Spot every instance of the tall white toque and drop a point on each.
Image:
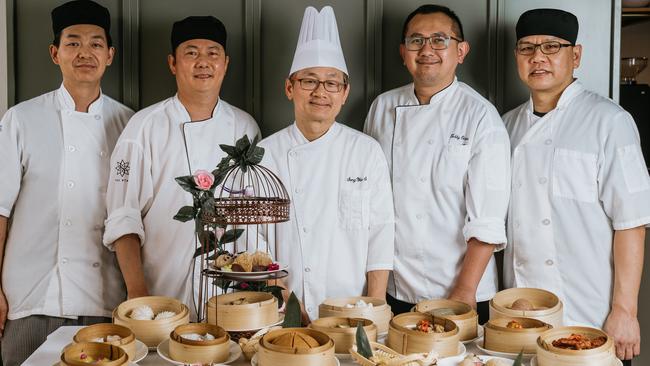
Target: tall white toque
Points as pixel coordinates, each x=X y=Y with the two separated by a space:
x=318 y=42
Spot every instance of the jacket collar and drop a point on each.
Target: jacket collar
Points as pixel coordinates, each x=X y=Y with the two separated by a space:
x=67 y=103
x=185 y=115
x=412 y=99
x=567 y=96
x=298 y=139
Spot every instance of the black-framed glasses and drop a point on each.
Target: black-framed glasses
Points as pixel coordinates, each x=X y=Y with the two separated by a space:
x=436 y=41
x=547 y=48
x=312 y=84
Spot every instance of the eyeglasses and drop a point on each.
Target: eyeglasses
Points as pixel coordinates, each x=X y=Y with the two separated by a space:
x=547 y=48
x=436 y=41
x=331 y=86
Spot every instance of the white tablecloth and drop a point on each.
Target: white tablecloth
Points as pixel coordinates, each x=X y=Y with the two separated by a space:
x=49 y=353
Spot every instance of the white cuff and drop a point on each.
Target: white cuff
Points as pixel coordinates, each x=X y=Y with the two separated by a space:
x=490 y=230
x=121 y=222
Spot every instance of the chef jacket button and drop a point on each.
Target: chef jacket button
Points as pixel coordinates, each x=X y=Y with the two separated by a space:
x=70 y=184
x=430 y=142
x=423 y=179
x=98 y=117
x=548 y=141
x=310 y=309
x=68 y=223
x=96 y=264
x=517 y=224
x=418 y=216
x=305 y=229
x=546 y=221
x=519 y=184
x=298 y=190
x=293 y=154
x=64 y=260
x=542 y=180
x=549 y=262
x=307 y=269
x=520 y=264
x=72 y=148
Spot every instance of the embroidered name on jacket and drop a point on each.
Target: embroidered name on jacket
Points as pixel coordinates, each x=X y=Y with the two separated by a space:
x=356 y=180
x=122 y=169
x=464 y=140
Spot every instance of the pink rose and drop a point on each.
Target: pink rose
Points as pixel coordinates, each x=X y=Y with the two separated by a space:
x=203 y=179
x=219 y=233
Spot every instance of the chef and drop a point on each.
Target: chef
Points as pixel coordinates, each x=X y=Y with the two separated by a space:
x=448 y=155
x=53 y=171
x=175 y=137
x=580 y=187
x=339 y=240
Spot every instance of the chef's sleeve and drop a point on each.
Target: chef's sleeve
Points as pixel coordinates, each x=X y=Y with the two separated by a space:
x=487 y=190
x=623 y=181
x=381 y=240
x=10 y=163
x=129 y=193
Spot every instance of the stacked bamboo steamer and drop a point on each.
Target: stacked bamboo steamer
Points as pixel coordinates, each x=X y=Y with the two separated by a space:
x=343 y=331
x=464 y=316
x=498 y=337
x=379 y=312
x=319 y=354
x=152 y=332
x=259 y=311
x=93 y=332
x=403 y=338
x=549 y=355
x=115 y=355
x=546 y=306
x=209 y=352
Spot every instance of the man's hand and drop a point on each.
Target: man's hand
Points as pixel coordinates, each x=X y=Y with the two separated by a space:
x=466 y=296
x=624 y=328
x=4 y=309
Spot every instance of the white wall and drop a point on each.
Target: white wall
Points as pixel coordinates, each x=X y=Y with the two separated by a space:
x=3 y=57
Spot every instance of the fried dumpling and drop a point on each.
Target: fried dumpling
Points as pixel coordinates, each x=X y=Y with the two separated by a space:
x=243 y=262
x=223 y=260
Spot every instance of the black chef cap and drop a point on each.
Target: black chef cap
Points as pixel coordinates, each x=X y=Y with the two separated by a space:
x=81 y=12
x=550 y=22
x=198 y=27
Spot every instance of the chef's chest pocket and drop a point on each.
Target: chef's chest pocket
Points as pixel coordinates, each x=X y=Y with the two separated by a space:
x=452 y=168
x=575 y=175
x=354 y=209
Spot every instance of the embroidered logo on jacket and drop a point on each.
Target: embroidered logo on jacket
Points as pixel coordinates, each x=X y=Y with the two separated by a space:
x=356 y=180
x=122 y=168
x=464 y=140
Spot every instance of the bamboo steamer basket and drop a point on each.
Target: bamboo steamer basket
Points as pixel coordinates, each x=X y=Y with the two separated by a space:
x=203 y=352
x=465 y=317
x=553 y=314
x=393 y=358
x=344 y=338
x=406 y=340
x=548 y=355
x=261 y=312
x=269 y=354
x=379 y=313
x=152 y=332
x=498 y=337
x=116 y=355
x=87 y=334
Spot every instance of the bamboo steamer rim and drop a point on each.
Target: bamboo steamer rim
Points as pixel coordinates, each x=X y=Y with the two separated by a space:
x=324 y=341
x=338 y=304
x=265 y=298
x=121 y=358
x=500 y=324
x=220 y=335
x=398 y=324
x=496 y=301
x=467 y=311
x=329 y=324
x=553 y=334
x=125 y=308
x=102 y=330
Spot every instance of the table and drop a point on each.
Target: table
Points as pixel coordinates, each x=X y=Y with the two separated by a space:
x=49 y=352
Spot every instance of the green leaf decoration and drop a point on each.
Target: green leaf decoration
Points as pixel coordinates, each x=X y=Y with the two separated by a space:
x=230 y=150
x=519 y=361
x=242 y=144
x=230 y=236
x=293 y=315
x=186 y=213
x=188 y=184
x=363 y=346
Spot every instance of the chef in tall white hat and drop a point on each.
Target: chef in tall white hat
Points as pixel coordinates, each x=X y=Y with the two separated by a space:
x=339 y=241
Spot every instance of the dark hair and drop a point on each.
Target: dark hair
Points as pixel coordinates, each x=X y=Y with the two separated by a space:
x=57 y=39
x=456 y=27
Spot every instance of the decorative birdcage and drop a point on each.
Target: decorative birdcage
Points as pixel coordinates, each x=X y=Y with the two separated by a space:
x=237 y=245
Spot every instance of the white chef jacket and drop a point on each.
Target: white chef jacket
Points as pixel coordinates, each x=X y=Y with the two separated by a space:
x=450 y=168
x=578 y=174
x=159 y=144
x=53 y=176
x=341 y=223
